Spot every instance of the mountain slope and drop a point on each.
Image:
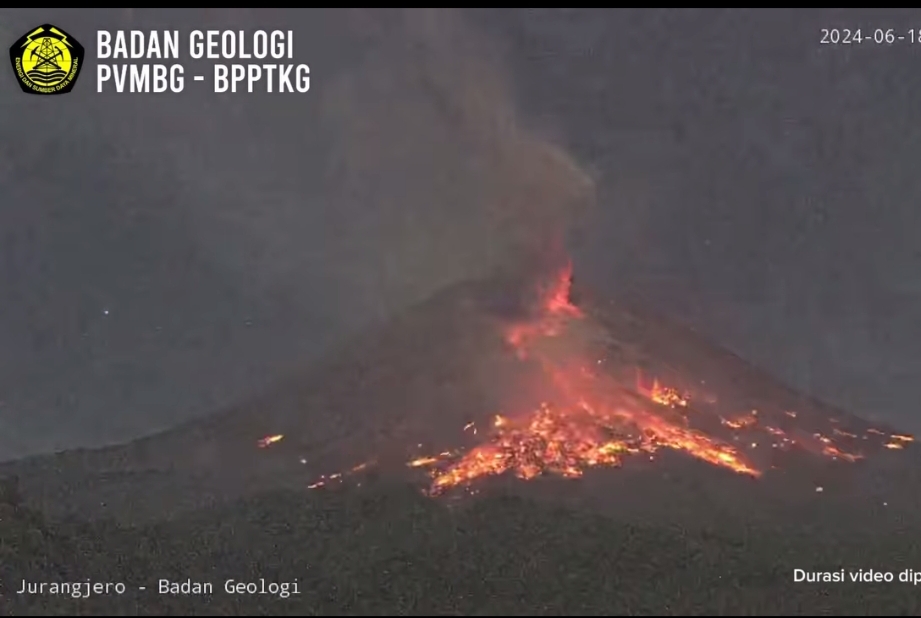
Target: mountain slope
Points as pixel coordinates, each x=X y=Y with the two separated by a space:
x=410 y=388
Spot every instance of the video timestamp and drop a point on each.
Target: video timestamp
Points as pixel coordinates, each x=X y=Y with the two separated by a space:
x=875 y=36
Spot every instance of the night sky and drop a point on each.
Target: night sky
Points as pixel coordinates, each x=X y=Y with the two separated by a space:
x=166 y=254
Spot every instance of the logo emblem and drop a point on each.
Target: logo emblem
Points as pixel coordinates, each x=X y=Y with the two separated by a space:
x=46 y=60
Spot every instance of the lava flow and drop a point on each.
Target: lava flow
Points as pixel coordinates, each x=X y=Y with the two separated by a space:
x=595 y=421
x=592 y=421
x=585 y=417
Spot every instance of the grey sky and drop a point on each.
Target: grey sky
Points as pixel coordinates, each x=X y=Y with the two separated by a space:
x=164 y=254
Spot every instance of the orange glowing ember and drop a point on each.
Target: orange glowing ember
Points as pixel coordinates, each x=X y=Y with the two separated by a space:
x=269 y=440
x=338 y=477
x=662 y=395
x=556 y=311
x=898 y=441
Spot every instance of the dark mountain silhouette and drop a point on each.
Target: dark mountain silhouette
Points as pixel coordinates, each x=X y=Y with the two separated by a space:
x=705 y=515
x=409 y=387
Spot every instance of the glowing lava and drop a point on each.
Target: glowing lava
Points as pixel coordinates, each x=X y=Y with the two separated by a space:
x=594 y=421
x=591 y=419
x=338 y=477
x=269 y=440
x=663 y=395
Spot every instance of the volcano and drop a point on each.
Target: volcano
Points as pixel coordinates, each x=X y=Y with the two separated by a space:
x=488 y=386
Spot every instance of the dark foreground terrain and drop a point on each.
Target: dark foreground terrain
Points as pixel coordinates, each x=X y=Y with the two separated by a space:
x=204 y=503
x=385 y=549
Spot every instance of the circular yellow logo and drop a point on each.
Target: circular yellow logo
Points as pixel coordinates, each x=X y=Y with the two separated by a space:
x=47 y=60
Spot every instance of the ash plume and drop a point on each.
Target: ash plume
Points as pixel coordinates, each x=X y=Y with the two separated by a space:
x=427 y=138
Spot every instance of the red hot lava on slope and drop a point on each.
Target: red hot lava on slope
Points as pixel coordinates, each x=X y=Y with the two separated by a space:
x=591 y=419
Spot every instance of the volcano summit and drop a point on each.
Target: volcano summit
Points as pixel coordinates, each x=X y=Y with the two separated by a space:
x=457 y=396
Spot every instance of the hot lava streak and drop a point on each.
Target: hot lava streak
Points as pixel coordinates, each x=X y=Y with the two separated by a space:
x=269 y=440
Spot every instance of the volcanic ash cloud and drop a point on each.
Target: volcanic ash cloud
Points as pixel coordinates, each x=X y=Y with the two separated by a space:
x=427 y=140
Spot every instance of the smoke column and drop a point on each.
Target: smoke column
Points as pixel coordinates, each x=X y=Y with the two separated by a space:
x=428 y=174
